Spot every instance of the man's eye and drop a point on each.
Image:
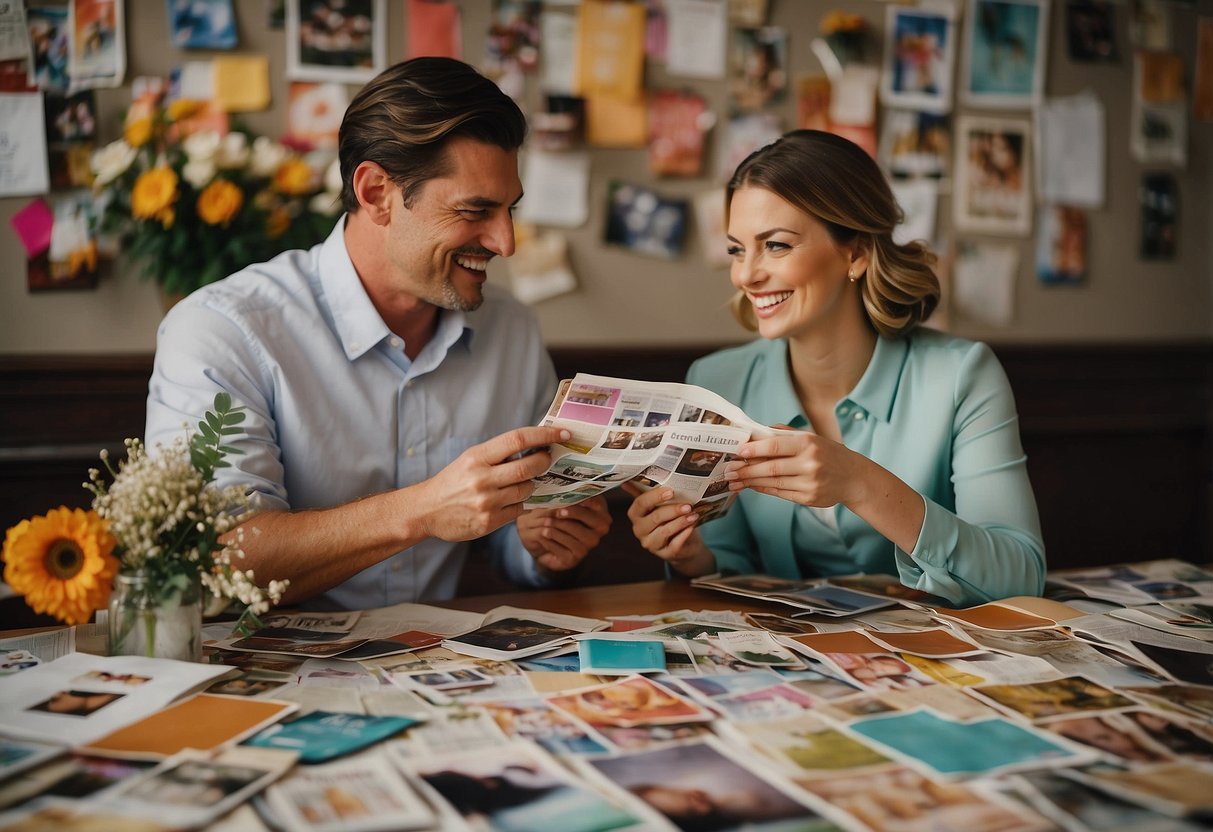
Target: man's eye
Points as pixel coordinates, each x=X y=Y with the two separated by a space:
x=474 y=213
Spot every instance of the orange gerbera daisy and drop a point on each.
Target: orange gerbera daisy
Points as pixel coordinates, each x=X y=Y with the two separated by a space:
x=62 y=563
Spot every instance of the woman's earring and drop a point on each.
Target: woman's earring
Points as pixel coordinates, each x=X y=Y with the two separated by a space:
x=852 y=276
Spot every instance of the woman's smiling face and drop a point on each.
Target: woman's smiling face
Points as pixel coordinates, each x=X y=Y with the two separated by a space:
x=793 y=272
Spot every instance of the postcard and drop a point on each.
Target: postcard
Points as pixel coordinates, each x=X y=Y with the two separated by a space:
x=620 y=657
x=336 y=41
x=807 y=745
x=551 y=728
x=706 y=773
x=321 y=735
x=352 y=795
x=757 y=647
x=937 y=643
x=920 y=48
x=635 y=700
x=900 y=799
x=518 y=787
x=405 y=642
x=73 y=777
x=18 y=755
x=252 y=683
x=509 y=637
x=1174 y=789
x=955 y=749
x=1005 y=52
x=775 y=702
x=81 y=697
x=193 y=789
x=203 y=722
x=1060 y=698
x=444 y=679
x=1132 y=736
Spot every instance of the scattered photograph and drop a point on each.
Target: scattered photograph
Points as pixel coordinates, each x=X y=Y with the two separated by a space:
x=77 y=702
x=635 y=700
x=1058 y=698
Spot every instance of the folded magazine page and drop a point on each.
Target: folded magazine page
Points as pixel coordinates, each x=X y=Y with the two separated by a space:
x=653 y=434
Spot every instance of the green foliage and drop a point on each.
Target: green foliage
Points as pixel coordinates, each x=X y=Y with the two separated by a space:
x=207 y=450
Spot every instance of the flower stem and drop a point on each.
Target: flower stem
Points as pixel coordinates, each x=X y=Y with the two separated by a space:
x=149 y=625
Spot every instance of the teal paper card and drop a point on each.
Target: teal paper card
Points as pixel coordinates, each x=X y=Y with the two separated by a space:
x=599 y=654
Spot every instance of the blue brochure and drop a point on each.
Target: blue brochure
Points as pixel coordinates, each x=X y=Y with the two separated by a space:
x=323 y=735
x=619 y=656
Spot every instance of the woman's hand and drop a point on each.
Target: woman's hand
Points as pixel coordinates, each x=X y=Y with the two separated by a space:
x=666 y=527
x=811 y=470
x=800 y=466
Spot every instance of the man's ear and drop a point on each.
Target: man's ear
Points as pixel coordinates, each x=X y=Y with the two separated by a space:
x=375 y=192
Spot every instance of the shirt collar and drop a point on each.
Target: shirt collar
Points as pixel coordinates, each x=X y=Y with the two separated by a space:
x=874 y=392
x=355 y=318
x=357 y=322
x=878 y=385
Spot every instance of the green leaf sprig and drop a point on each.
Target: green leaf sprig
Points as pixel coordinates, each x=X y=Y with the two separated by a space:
x=207 y=450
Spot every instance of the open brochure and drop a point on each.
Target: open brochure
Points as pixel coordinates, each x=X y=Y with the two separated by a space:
x=650 y=433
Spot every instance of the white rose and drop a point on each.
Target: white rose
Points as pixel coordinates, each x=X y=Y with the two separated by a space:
x=112 y=161
x=202 y=146
x=327 y=203
x=332 y=177
x=267 y=156
x=233 y=151
x=198 y=172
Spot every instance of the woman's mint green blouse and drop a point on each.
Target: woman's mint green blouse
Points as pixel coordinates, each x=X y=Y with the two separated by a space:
x=935 y=410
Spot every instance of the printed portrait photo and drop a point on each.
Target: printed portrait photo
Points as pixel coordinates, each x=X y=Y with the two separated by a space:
x=335 y=40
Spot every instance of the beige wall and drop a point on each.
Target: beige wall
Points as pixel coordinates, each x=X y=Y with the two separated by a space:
x=629 y=299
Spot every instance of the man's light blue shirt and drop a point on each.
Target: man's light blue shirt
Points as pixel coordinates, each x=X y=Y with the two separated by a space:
x=935 y=410
x=335 y=409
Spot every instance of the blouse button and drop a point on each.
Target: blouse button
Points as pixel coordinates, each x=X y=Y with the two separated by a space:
x=858 y=415
x=844 y=410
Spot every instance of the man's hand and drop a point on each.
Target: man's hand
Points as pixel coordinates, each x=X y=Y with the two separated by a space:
x=560 y=538
x=485 y=486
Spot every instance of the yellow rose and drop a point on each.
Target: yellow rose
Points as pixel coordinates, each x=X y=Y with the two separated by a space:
x=138 y=132
x=183 y=108
x=277 y=222
x=220 y=202
x=154 y=193
x=293 y=177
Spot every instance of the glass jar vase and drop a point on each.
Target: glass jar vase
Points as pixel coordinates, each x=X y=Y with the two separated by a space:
x=144 y=621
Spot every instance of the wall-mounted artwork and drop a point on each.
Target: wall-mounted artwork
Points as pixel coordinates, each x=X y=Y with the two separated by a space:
x=993 y=176
x=335 y=40
x=645 y=222
x=1004 y=55
x=920 y=49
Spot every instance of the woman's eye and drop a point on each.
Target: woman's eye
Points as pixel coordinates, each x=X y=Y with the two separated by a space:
x=775 y=245
x=733 y=251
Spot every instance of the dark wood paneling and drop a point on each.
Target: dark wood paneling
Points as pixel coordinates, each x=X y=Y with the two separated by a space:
x=1119 y=440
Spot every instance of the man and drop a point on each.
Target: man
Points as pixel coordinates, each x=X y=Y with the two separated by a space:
x=384 y=402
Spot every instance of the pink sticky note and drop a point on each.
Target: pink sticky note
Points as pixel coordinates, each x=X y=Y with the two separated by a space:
x=33 y=225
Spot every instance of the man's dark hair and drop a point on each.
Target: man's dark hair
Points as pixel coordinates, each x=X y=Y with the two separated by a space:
x=403 y=119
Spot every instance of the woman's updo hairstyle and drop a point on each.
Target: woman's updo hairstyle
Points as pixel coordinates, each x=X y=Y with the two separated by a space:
x=833 y=180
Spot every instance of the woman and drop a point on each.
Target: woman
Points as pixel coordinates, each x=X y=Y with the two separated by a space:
x=905 y=456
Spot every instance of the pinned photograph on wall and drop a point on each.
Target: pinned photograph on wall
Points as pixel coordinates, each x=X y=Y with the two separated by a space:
x=1004 y=59
x=1159 y=198
x=335 y=40
x=435 y=30
x=202 y=24
x=1202 y=83
x=853 y=97
x=1091 y=31
x=758 y=76
x=98 y=44
x=983 y=281
x=1150 y=24
x=71 y=132
x=1061 y=245
x=50 y=47
x=813 y=102
x=678 y=124
x=314 y=114
x=920 y=49
x=71 y=260
x=561 y=125
x=539 y=268
x=645 y=222
x=512 y=45
x=993 y=176
x=915 y=145
x=709 y=219
x=1158 y=112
